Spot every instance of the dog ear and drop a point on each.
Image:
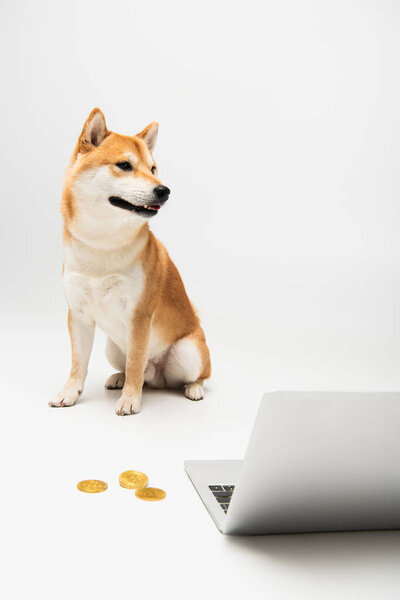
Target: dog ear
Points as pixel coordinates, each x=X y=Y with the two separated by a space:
x=94 y=131
x=149 y=135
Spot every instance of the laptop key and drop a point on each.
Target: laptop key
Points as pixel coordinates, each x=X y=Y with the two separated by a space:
x=229 y=488
x=216 y=488
x=224 y=506
x=223 y=494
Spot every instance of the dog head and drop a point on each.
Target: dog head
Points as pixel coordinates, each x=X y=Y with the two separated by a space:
x=112 y=184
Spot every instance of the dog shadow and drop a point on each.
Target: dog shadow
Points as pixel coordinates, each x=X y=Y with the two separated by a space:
x=153 y=397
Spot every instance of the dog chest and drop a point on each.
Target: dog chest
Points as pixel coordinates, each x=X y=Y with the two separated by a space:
x=108 y=300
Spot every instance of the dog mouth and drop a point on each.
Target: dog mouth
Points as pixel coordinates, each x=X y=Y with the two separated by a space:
x=146 y=210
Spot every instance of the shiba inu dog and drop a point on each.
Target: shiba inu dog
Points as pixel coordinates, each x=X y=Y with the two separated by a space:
x=118 y=276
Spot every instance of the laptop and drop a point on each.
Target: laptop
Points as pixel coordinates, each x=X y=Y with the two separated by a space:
x=316 y=461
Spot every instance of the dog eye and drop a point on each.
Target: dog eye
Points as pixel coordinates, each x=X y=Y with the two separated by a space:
x=125 y=166
x=153 y=169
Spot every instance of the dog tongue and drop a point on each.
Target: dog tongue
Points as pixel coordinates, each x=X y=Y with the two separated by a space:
x=155 y=207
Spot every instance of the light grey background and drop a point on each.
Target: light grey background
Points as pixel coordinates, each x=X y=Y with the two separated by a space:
x=279 y=138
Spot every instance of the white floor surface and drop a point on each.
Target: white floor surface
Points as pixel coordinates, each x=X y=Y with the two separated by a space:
x=60 y=543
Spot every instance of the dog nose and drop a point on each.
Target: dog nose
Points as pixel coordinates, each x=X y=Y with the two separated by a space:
x=162 y=192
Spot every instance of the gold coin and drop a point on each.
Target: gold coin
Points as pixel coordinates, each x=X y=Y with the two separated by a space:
x=92 y=486
x=133 y=480
x=150 y=494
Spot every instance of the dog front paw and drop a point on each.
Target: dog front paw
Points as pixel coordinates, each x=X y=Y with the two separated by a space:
x=128 y=405
x=67 y=397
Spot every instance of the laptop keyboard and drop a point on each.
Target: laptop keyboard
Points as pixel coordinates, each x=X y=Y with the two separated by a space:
x=223 y=494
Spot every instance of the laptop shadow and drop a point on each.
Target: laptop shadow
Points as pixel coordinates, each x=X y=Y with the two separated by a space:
x=323 y=550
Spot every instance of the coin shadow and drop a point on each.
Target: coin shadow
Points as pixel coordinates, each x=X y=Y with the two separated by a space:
x=323 y=550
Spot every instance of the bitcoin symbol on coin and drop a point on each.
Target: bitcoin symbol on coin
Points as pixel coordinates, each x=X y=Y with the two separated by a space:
x=150 y=494
x=133 y=480
x=92 y=486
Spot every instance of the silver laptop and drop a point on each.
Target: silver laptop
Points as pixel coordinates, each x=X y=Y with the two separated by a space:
x=316 y=461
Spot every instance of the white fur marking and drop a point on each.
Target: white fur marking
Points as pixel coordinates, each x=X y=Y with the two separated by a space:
x=109 y=301
x=183 y=363
x=100 y=224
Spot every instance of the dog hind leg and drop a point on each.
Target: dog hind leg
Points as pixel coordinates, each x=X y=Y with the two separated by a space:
x=187 y=365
